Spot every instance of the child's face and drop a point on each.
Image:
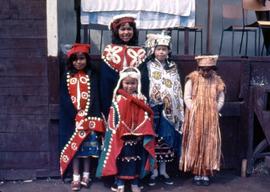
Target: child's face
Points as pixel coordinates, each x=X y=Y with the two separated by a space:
x=206 y=72
x=125 y=32
x=80 y=62
x=161 y=52
x=130 y=85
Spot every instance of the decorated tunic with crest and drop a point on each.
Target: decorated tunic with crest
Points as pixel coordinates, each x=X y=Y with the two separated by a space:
x=119 y=56
x=86 y=125
x=129 y=127
x=115 y=58
x=165 y=88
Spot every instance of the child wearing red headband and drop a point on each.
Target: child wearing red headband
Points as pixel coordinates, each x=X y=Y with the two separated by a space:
x=81 y=125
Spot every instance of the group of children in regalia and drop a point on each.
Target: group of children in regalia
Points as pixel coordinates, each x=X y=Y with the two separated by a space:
x=129 y=113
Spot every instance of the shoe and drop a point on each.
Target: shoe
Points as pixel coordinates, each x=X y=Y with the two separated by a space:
x=135 y=188
x=197 y=180
x=152 y=182
x=205 y=181
x=166 y=180
x=114 y=187
x=85 y=182
x=75 y=185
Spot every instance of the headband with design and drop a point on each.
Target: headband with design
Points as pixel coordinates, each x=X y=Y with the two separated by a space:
x=121 y=19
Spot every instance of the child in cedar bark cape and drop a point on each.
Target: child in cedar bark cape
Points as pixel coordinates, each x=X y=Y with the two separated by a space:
x=129 y=140
x=161 y=83
x=81 y=125
x=204 y=97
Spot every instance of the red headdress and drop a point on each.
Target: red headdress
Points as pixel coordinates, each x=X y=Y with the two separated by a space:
x=120 y=19
x=77 y=47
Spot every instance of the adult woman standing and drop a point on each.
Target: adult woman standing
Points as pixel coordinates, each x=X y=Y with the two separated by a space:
x=122 y=52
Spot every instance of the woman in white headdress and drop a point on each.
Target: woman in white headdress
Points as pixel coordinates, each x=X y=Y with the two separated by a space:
x=122 y=52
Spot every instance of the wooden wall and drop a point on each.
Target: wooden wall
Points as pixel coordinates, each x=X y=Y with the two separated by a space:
x=24 y=131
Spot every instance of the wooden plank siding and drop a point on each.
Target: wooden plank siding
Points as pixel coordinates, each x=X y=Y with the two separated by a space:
x=24 y=92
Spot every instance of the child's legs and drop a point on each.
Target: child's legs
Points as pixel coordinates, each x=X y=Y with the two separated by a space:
x=162 y=169
x=120 y=182
x=76 y=166
x=135 y=181
x=86 y=164
x=154 y=173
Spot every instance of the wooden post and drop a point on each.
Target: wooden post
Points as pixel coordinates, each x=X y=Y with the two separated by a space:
x=209 y=27
x=186 y=41
x=77 y=8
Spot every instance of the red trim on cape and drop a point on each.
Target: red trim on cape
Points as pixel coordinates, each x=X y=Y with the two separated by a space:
x=83 y=125
x=76 y=140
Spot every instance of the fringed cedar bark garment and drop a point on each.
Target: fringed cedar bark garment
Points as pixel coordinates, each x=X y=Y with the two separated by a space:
x=201 y=145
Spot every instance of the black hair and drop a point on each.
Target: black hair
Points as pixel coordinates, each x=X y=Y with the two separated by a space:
x=73 y=57
x=133 y=41
x=167 y=61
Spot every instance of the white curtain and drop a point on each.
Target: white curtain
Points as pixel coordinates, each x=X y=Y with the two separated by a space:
x=151 y=14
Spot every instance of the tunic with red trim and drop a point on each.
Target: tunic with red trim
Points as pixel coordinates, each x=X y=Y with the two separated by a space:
x=130 y=121
x=115 y=58
x=80 y=103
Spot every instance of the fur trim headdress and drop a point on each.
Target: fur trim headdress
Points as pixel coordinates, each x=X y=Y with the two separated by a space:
x=132 y=72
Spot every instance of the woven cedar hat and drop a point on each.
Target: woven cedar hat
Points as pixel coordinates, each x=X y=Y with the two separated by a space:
x=206 y=60
x=120 y=19
x=78 y=47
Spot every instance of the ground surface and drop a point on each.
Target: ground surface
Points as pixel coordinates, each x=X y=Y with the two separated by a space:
x=223 y=182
